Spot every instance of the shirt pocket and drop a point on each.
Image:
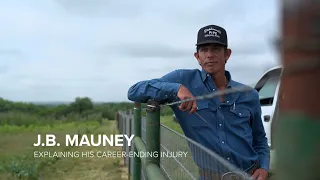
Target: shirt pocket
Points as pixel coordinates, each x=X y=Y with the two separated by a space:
x=240 y=112
x=239 y=119
x=203 y=113
x=203 y=131
x=202 y=105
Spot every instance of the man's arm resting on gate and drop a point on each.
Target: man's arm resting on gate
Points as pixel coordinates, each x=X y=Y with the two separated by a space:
x=164 y=88
x=260 y=142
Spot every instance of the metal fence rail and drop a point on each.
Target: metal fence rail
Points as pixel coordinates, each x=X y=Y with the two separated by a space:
x=179 y=156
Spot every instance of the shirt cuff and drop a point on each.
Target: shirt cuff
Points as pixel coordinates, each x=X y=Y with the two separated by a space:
x=264 y=164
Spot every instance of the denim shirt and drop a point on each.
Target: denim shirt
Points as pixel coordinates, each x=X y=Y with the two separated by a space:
x=233 y=129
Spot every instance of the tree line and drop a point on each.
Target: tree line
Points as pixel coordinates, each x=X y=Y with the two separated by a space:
x=82 y=106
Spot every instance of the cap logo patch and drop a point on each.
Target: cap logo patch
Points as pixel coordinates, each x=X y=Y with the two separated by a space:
x=211 y=32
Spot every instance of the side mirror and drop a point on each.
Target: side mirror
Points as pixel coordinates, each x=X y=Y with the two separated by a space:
x=266 y=118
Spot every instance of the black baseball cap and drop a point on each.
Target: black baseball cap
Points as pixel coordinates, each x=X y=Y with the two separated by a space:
x=212 y=34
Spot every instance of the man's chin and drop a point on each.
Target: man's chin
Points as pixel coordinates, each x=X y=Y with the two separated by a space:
x=212 y=70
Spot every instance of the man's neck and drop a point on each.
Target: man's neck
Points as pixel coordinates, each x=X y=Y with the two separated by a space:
x=219 y=80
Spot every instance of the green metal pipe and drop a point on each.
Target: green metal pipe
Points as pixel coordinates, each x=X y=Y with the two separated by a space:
x=137 y=120
x=154 y=172
x=298 y=147
x=137 y=134
x=153 y=132
x=141 y=148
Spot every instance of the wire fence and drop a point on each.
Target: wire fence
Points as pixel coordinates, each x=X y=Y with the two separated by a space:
x=180 y=157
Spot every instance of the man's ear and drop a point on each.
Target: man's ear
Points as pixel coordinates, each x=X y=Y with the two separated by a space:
x=227 y=54
x=196 y=55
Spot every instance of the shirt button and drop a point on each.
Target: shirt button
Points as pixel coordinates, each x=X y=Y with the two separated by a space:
x=227 y=101
x=240 y=114
x=213 y=89
x=220 y=124
x=219 y=107
x=222 y=142
x=228 y=158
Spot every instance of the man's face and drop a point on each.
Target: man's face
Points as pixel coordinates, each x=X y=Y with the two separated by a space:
x=212 y=57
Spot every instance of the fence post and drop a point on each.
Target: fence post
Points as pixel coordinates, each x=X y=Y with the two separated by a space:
x=137 y=133
x=116 y=116
x=129 y=133
x=298 y=136
x=153 y=132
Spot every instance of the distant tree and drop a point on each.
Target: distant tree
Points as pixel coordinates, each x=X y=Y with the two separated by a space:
x=62 y=110
x=81 y=104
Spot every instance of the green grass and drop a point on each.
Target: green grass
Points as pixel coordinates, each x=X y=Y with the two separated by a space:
x=17 y=160
x=168 y=121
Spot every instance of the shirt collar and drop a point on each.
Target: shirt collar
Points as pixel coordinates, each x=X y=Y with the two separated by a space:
x=231 y=83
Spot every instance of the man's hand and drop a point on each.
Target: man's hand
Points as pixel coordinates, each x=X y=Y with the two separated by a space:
x=183 y=94
x=260 y=174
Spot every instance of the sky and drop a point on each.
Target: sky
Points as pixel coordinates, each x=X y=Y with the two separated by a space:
x=56 y=50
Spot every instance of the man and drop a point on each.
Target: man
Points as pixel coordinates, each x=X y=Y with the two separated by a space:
x=229 y=125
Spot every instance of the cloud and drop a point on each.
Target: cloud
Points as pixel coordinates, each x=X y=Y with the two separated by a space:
x=156 y=50
x=98 y=8
x=10 y=52
x=58 y=50
x=8 y=56
x=3 y=69
x=150 y=50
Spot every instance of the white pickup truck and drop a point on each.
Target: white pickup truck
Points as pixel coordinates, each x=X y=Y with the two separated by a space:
x=268 y=87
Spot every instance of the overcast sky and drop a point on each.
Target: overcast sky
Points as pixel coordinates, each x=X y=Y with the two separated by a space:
x=56 y=50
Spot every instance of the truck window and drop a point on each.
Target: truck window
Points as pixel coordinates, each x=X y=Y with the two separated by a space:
x=268 y=89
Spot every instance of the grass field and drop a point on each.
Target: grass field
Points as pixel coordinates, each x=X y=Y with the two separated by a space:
x=17 y=159
x=168 y=121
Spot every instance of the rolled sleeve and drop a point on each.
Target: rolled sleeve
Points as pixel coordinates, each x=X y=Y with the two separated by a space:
x=165 y=88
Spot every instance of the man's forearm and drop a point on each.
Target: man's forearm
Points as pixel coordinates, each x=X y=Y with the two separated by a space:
x=155 y=89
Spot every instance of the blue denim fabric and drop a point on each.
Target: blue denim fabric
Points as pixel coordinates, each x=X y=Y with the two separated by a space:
x=232 y=129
